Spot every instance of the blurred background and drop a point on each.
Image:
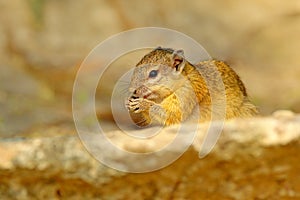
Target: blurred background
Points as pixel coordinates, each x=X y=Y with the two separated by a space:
x=43 y=42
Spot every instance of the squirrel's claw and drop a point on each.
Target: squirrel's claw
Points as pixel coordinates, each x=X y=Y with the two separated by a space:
x=137 y=105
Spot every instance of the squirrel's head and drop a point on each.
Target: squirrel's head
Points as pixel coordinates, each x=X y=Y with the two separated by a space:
x=158 y=74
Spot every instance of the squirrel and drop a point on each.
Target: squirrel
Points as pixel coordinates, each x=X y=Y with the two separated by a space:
x=165 y=89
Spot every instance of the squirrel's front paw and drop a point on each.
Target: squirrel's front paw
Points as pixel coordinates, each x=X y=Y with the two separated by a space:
x=137 y=104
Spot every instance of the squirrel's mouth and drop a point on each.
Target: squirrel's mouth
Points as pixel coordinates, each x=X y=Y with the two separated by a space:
x=156 y=95
x=150 y=96
x=142 y=92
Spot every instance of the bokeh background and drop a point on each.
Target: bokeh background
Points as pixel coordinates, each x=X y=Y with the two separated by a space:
x=43 y=42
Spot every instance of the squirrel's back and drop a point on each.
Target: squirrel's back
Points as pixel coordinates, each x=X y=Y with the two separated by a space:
x=237 y=101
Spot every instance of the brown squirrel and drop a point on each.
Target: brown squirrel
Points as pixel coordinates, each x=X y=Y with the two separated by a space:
x=166 y=89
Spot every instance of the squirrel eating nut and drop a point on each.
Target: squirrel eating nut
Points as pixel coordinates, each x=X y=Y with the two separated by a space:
x=165 y=89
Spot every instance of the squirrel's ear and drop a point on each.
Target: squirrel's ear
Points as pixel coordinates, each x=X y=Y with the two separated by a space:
x=178 y=60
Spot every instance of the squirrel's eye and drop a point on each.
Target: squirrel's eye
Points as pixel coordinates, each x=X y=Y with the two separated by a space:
x=153 y=73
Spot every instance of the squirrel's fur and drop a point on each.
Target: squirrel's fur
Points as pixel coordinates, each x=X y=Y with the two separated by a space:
x=167 y=89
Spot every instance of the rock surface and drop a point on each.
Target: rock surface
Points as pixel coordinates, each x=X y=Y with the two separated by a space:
x=253 y=159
